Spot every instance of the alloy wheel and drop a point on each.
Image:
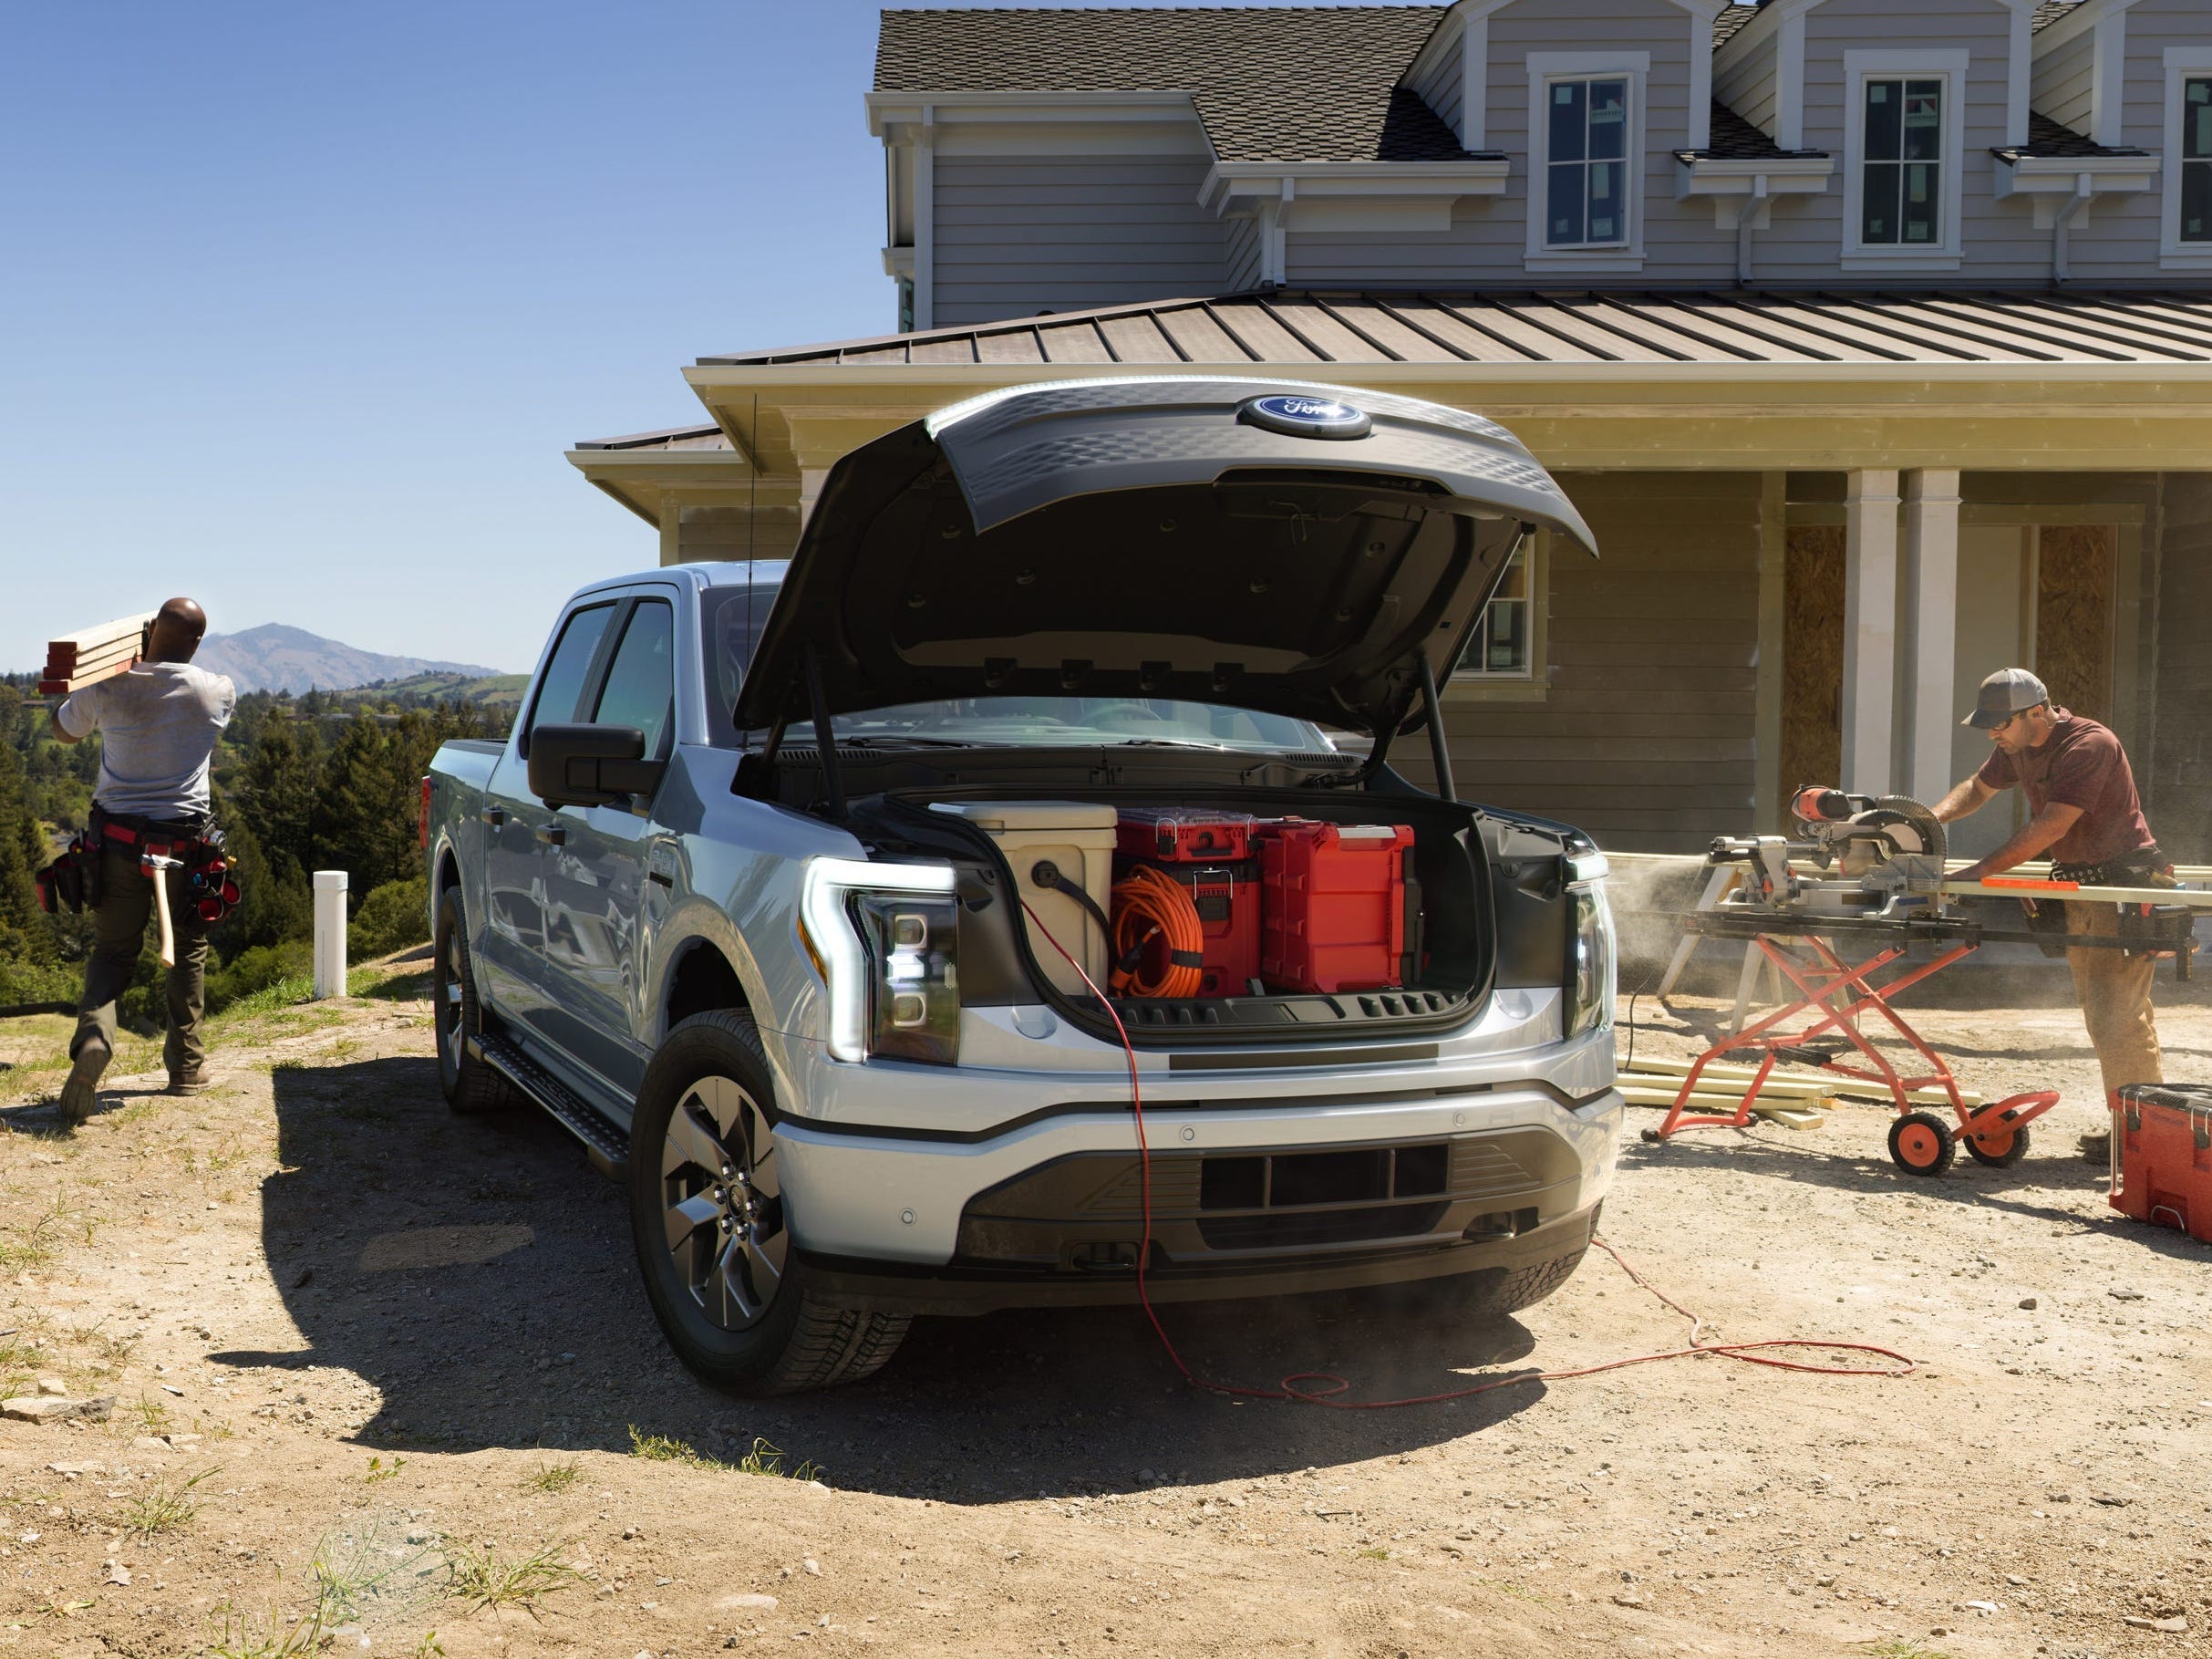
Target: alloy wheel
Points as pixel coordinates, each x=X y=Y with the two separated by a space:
x=451 y=1008
x=722 y=1202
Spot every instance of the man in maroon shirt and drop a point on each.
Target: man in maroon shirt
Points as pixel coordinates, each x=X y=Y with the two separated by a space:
x=2089 y=820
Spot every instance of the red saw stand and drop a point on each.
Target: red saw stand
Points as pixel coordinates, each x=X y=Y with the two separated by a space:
x=1836 y=996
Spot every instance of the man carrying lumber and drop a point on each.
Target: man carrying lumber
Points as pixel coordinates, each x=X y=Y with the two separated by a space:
x=2088 y=818
x=159 y=722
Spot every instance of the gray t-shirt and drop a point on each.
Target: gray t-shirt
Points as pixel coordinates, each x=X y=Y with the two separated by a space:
x=157 y=726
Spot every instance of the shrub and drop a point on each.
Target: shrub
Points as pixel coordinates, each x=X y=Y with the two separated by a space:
x=392 y=918
x=256 y=969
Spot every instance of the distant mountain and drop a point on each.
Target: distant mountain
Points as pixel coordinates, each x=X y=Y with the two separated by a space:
x=273 y=657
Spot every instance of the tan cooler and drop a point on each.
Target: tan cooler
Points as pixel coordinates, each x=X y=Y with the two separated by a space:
x=1079 y=839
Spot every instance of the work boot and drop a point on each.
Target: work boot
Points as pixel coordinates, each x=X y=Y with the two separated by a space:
x=2096 y=1146
x=192 y=1080
x=80 y=1094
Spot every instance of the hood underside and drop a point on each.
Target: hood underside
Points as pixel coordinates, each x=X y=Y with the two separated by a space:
x=1277 y=545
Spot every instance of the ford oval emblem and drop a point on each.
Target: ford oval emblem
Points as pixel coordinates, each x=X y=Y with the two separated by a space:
x=1304 y=415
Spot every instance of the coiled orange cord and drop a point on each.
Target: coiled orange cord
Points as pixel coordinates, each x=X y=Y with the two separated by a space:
x=1150 y=910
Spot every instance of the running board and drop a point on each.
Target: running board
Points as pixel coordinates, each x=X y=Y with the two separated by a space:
x=606 y=1141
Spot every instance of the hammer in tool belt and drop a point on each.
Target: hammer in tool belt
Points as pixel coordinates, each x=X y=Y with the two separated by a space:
x=157 y=861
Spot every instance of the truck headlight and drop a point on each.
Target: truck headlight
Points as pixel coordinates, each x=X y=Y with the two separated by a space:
x=1589 y=973
x=885 y=937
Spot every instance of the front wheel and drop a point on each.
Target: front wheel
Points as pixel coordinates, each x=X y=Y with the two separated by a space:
x=469 y=1085
x=713 y=1224
x=1920 y=1143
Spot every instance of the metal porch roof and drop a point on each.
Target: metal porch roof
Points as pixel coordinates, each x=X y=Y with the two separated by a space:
x=1552 y=326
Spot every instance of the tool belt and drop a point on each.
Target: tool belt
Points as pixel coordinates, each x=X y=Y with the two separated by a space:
x=2147 y=929
x=2128 y=870
x=211 y=876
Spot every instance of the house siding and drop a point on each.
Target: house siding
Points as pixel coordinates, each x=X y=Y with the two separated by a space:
x=1440 y=81
x=1746 y=84
x=1017 y=235
x=1645 y=737
x=2063 y=80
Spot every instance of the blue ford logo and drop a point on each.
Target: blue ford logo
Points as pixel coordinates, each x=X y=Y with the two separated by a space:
x=1303 y=415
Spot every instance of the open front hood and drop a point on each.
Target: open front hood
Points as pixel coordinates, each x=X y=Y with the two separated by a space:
x=1276 y=545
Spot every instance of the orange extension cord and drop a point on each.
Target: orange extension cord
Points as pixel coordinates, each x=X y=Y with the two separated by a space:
x=1147 y=907
x=1324 y=1388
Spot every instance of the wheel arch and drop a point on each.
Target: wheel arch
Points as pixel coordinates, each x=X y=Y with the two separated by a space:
x=701 y=979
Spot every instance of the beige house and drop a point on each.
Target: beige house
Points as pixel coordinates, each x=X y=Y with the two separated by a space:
x=1826 y=510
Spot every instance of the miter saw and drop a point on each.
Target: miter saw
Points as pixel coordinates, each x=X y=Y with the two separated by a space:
x=1874 y=858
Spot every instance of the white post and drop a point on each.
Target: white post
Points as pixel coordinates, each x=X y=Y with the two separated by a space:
x=1870 y=627
x=1931 y=586
x=329 y=934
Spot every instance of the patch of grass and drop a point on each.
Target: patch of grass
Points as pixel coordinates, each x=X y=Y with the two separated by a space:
x=557 y=1476
x=380 y=1470
x=667 y=1448
x=481 y=1579
x=1376 y=1554
x=1517 y=1591
x=766 y=1459
x=152 y=1416
x=351 y=1573
x=278 y=994
x=168 y=1505
x=1898 y=1648
x=33 y=1244
x=239 y=1634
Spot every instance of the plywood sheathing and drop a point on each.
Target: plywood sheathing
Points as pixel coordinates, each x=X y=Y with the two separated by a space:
x=1812 y=657
x=2073 y=616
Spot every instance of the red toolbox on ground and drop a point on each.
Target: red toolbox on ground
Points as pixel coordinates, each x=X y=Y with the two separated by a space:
x=1176 y=834
x=1333 y=905
x=2162 y=1156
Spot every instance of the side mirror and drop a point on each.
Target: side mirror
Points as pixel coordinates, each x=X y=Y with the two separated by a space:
x=589 y=765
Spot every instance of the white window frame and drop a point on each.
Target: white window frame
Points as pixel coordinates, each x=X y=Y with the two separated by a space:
x=2183 y=64
x=1944 y=63
x=1544 y=67
x=1528 y=683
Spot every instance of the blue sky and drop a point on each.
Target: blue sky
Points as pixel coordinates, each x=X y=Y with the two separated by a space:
x=301 y=303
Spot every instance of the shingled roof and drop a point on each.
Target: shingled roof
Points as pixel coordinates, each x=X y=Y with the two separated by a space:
x=1272 y=84
x=2050 y=138
x=2048 y=12
x=1736 y=140
x=1728 y=21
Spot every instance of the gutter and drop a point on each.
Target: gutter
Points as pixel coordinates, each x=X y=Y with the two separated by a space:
x=2061 y=222
x=1747 y=217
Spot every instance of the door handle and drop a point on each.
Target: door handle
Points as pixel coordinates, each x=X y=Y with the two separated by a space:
x=555 y=835
x=493 y=815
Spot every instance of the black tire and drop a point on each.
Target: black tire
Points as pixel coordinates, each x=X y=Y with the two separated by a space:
x=2014 y=1150
x=731 y=1292
x=1922 y=1144
x=470 y=1085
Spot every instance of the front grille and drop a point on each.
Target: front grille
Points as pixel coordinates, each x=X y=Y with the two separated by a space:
x=1296 y=1180
x=1288 y=1229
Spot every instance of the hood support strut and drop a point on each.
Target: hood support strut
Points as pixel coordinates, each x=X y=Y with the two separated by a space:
x=825 y=735
x=1434 y=713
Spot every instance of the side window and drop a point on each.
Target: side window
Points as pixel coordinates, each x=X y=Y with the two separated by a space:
x=1902 y=191
x=1587 y=193
x=2197 y=161
x=640 y=687
x=562 y=686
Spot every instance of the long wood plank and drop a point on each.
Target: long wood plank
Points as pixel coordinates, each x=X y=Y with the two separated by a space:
x=102 y=633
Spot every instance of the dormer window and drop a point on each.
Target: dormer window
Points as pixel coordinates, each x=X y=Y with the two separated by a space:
x=1586 y=155
x=1901 y=193
x=2196 y=160
x=1586 y=189
x=1904 y=133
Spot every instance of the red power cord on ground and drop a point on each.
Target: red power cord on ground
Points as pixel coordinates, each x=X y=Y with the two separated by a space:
x=1324 y=1388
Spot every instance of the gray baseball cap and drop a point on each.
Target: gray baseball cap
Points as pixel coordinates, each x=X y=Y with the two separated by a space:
x=2004 y=694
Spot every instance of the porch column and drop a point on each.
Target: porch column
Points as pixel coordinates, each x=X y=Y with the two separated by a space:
x=671 y=528
x=1870 y=627
x=1931 y=586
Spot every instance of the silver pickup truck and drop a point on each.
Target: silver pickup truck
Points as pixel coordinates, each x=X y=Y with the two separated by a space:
x=737 y=904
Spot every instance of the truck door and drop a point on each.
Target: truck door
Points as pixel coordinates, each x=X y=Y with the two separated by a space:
x=513 y=933
x=595 y=919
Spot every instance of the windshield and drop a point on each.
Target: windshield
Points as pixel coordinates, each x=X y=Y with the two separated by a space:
x=732 y=619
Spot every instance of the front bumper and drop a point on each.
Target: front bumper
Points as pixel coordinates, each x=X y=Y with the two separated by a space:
x=1250 y=1197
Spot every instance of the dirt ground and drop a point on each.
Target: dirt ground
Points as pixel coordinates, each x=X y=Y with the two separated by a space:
x=385 y=1382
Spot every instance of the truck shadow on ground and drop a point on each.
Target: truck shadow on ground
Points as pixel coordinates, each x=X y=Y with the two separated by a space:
x=480 y=1274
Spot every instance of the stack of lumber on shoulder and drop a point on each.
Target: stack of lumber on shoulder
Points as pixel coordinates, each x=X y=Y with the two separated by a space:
x=92 y=653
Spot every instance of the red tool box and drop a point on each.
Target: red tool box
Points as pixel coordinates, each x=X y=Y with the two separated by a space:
x=1227 y=896
x=1174 y=835
x=2162 y=1156
x=1333 y=905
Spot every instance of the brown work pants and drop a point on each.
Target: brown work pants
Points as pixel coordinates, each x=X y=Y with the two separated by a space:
x=126 y=908
x=2114 y=991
